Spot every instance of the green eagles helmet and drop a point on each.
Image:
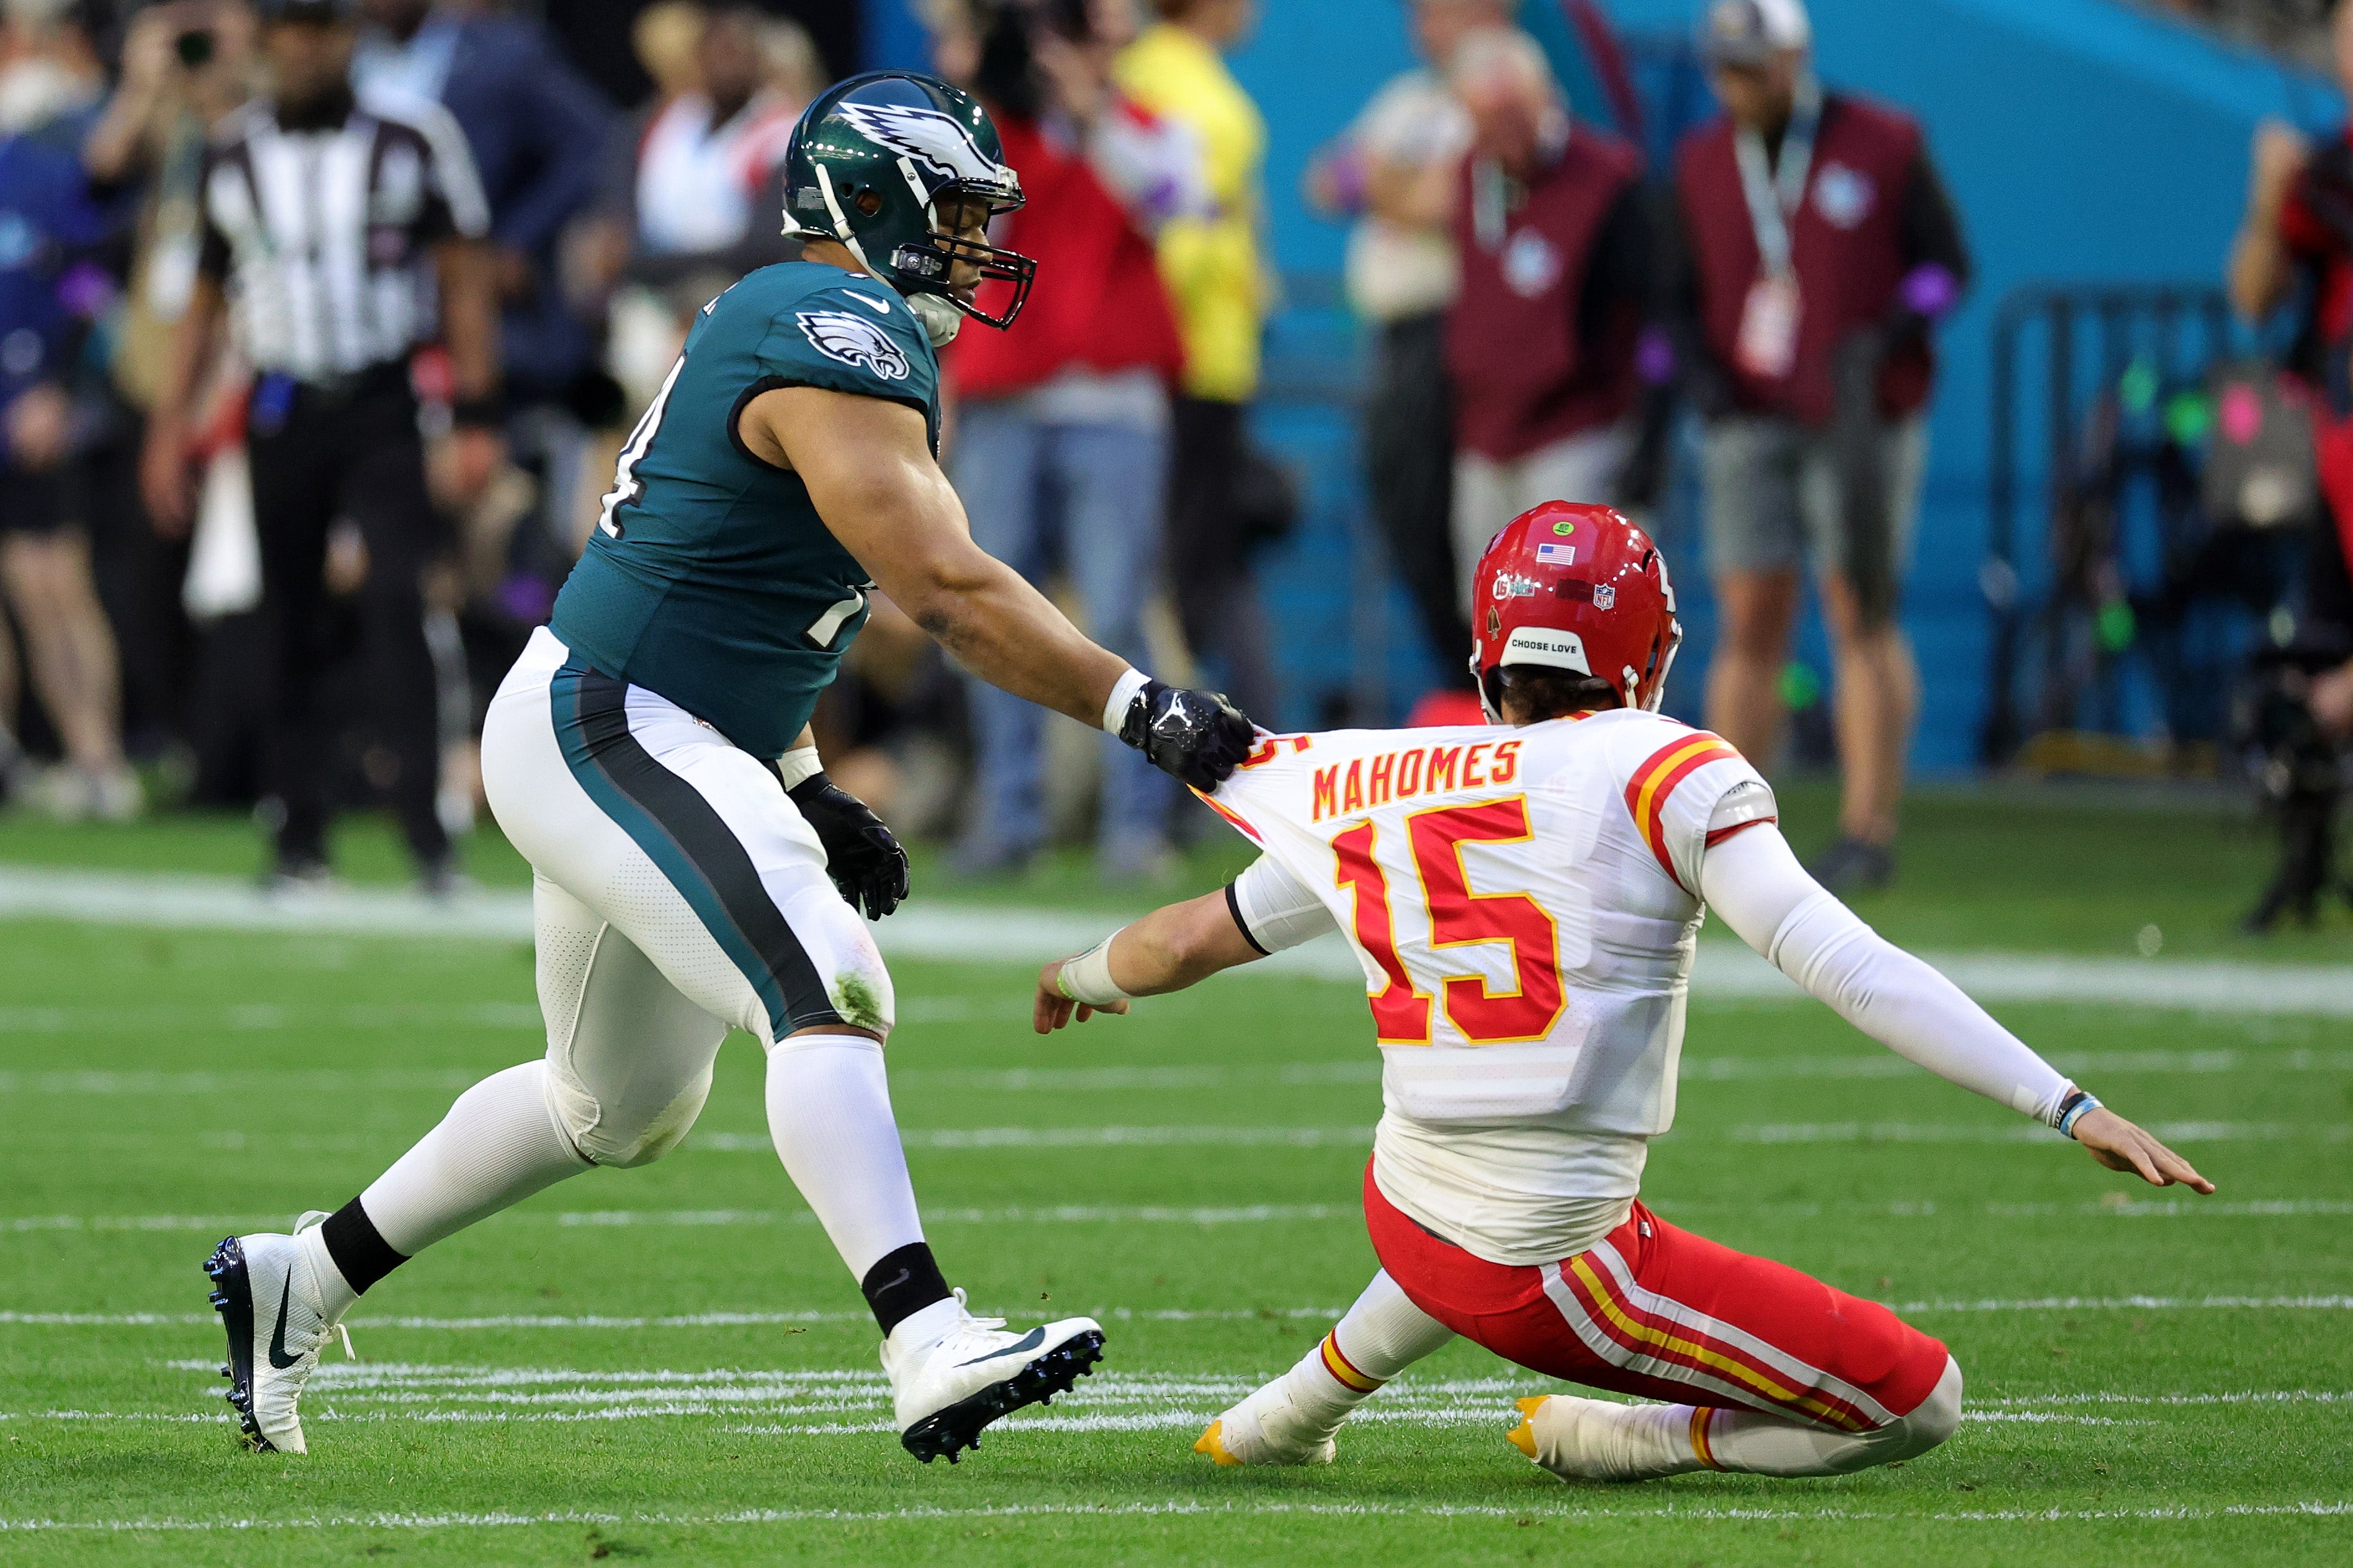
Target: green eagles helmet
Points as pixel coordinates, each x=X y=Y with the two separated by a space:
x=866 y=164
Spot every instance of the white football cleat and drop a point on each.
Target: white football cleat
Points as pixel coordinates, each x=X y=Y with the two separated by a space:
x=267 y=1295
x=946 y=1387
x=1597 y=1439
x=1269 y=1428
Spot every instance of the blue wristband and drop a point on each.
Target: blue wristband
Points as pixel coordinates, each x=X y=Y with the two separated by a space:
x=2072 y=1109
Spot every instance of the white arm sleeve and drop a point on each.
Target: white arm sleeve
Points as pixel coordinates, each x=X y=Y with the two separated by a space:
x=1753 y=880
x=1274 y=908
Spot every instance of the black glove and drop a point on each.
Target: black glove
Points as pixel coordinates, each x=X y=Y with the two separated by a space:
x=1197 y=736
x=861 y=856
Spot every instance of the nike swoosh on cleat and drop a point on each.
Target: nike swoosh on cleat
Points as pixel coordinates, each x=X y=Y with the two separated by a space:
x=1029 y=1342
x=278 y=1356
x=879 y=307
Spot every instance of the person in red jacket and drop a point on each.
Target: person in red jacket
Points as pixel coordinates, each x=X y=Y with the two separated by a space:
x=1815 y=250
x=1555 y=239
x=1061 y=438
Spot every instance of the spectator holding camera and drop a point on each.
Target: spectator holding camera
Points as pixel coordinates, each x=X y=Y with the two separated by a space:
x=1061 y=440
x=2299 y=231
x=1817 y=251
x=1215 y=275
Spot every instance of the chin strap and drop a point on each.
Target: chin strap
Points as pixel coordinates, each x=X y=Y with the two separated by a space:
x=841 y=230
x=941 y=322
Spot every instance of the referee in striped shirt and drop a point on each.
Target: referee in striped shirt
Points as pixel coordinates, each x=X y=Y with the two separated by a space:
x=345 y=236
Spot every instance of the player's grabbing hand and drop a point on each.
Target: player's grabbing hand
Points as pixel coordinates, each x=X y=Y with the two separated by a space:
x=1197 y=736
x=862 y=855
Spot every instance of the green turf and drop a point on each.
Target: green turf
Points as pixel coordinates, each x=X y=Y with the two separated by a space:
x=159 y=1087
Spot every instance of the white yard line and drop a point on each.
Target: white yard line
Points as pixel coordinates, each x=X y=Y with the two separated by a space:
x=1181 y=1508
x=946 y=931
x=1023 y=1081
x=802 y=1402
x=2117 y=1205
x=505 y=1323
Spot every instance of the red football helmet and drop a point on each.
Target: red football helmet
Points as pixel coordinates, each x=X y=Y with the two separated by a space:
x=1573 y=586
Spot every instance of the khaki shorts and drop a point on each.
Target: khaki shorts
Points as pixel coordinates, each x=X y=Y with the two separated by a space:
x=1774 y=499
x=1489 y=494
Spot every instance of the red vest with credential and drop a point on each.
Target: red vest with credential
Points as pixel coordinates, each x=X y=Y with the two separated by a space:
x=1845 y=243
x=1522 y=378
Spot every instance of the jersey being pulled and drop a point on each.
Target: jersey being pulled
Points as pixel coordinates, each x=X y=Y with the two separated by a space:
x=709 y=578
x=1524 y=901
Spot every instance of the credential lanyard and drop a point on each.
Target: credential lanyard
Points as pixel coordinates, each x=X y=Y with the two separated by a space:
x=1774 y=197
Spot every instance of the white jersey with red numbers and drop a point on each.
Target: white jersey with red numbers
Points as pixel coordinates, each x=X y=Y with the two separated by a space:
x=1524 y=902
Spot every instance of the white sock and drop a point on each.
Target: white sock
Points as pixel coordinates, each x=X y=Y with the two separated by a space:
x=336 y=1292
x=498 y=1145
x=928 y=1325
x=1756 y=1444
x=1378 y=1337
x=829 y=1115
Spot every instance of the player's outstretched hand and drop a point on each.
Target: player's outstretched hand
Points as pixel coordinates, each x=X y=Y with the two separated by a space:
x=1053 y=1009
x=860 y=854
x=2121 y=1146
x=1198 y=736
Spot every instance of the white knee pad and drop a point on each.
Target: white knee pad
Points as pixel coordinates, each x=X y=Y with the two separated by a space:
x=627 y=1133
x=1934 y=1420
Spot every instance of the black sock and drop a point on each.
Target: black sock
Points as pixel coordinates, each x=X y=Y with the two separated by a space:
x=359 y=1249
x=906 y=1281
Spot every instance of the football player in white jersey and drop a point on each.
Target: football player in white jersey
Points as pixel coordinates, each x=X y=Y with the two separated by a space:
x=1525 y=901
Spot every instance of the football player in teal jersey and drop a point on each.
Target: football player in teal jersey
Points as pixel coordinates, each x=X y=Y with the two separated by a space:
x=651 y=752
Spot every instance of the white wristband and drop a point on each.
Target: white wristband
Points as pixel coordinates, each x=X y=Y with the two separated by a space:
x=797 y=766
x=1087 y=978
x=1122 y=697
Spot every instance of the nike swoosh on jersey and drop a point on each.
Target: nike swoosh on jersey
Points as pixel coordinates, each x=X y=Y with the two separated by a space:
x=880 y=307
x=1029 y=1342
x=278 y=1356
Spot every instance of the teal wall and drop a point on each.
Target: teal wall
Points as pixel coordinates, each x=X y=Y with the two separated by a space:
x=2083 y=140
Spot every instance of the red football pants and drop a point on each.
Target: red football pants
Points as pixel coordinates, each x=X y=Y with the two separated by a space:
x=1655 y=1311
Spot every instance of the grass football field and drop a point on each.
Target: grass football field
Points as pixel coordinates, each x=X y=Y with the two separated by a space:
x=671 y=1364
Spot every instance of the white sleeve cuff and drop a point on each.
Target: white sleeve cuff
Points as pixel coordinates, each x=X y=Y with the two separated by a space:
x=1122 y=697
x=1275 y=909
x=797 y=766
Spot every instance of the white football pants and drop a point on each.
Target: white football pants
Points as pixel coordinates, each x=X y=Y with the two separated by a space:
x=677 y=891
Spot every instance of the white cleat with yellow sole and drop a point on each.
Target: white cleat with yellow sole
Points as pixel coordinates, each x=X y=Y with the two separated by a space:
x=1597 y=1439
x=1271 y=1428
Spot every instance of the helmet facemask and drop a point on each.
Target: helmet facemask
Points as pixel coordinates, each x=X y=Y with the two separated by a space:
x=947 y=261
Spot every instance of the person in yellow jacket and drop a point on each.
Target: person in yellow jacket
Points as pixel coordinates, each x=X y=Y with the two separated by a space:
x=1210 y=261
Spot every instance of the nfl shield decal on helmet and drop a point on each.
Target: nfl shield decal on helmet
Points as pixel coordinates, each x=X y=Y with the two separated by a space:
x=929 y=137
x=854 y=340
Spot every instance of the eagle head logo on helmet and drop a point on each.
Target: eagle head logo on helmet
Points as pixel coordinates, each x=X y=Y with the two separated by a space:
x=1576 y=587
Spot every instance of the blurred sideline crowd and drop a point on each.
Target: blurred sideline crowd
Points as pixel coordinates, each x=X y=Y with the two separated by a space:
x=323 y=323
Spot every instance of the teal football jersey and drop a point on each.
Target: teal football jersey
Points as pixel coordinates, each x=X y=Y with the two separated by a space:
x=709 y=578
